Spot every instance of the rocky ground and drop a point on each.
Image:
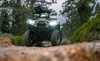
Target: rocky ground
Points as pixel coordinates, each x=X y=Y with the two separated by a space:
x=75 y=52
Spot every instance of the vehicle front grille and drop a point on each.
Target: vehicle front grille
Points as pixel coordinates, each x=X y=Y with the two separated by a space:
x=41 y=24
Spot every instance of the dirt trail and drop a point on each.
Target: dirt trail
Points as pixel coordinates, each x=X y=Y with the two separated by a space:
x=76 y=52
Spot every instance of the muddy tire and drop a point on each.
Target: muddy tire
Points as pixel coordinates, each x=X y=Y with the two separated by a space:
x=27 y=39
x=55 y=38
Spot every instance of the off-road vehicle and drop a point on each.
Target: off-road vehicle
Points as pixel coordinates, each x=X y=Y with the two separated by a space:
x=43 y=28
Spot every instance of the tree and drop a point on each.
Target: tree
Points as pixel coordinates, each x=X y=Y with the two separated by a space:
x=17 y=13
x=89 y=31
x=78 y=12
x=5 y=26
x=4 y=17
x=20 y=13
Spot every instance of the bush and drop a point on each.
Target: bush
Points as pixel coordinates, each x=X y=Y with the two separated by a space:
x=5 y=41
x=88 y=32
x=18 y=40
x=15 y=40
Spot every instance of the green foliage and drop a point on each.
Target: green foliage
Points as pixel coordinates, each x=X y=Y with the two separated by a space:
x=88 y=32
x=71 y=26
x=20 y=14
x=13 y=15
x=4 y=20
x=84 y=8
x=18 y=40
x=78 y=12
x=15 y=40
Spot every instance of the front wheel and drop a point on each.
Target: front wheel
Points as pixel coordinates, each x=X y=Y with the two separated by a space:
x=28 y=39
x=55 y=38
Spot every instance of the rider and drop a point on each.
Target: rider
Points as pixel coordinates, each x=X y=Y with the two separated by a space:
x=41 y=8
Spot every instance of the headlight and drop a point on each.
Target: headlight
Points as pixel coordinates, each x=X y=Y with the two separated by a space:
x=31 y=22
x=53 y=23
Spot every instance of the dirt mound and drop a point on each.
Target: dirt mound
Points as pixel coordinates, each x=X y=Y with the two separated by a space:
x=76 y=52
x=5 y=41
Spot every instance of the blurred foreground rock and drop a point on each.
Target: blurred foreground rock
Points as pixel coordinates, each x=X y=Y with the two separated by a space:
x=76 y=52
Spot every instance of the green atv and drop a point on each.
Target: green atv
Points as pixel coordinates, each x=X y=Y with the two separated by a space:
x=41 y=29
